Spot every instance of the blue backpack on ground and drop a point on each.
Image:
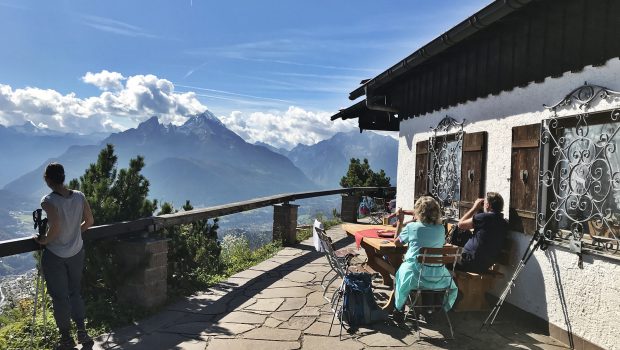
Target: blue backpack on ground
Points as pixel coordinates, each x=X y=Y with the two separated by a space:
x=359 y=306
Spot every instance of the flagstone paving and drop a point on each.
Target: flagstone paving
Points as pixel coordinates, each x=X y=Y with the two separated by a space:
x=279 y=304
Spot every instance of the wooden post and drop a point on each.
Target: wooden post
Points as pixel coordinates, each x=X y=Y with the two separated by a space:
x=145 y=262
x=285 y=223
x=348 y=209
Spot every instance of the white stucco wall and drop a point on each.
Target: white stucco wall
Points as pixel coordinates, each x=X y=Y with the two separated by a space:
x=587 y=301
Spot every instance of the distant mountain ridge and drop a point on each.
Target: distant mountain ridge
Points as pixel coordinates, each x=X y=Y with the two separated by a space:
x=281 y=151
x=201 y=160
x=25 y=146
x=327 y=161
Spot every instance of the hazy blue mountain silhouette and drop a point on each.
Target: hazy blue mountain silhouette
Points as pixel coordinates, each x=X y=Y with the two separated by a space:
x=24 y=147
x=327 y=161
x=201 y=160
x=281 y=151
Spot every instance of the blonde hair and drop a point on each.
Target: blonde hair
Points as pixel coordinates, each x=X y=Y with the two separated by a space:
x=426 y=210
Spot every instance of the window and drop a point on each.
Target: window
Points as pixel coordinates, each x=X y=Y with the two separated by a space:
x=579 y=191
x=445 y=172
x=451 y=167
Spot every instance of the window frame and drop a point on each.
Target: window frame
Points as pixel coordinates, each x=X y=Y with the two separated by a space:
x=447 y=131
x=555 y=150
x=471 y=172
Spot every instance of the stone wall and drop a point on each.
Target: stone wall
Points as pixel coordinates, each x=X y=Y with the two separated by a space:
x=145 y=263
x=285 y=223
x=349 y=207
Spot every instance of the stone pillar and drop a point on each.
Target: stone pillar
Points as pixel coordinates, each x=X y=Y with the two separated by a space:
x=145 y=263
x=285 y=223
x=349 y=207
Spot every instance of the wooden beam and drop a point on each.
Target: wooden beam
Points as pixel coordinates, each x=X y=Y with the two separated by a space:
x=24 y=245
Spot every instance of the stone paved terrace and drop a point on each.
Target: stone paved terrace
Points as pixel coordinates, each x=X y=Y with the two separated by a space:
x=278 y=304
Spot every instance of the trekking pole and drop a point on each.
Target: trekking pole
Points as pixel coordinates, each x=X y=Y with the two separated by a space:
x=538 y=241
x=44 y=302
x=36 y=298
x=1 y=297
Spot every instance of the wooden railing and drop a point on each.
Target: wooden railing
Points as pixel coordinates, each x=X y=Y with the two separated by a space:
x=150 y=224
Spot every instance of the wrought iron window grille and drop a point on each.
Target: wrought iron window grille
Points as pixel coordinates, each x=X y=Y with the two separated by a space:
x=446 y=150
x=579 y=181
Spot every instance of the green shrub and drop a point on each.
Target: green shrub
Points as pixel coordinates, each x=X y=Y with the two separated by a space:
x=237 y=255
x=193 y=254
x=16 y=326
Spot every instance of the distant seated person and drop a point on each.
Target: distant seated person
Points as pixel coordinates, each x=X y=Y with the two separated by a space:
x=427 y=232
x=482 y=247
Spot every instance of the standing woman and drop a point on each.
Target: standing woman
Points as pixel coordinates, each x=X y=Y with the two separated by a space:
x=62 y=262
x=426 y=232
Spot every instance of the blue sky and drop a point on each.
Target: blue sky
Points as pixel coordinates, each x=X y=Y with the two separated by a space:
x=267 y=69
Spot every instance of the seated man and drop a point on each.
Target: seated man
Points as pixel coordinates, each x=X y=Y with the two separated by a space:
x=490 y=230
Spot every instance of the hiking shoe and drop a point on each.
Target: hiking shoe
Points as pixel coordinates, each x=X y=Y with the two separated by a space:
x=83 y=337
x=398 y=316
x=65 y=344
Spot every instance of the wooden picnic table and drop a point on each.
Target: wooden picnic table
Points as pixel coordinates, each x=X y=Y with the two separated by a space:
x=378 y=248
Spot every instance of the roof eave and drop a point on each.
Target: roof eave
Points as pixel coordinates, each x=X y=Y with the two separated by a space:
x=483 y=18
x=369 y=119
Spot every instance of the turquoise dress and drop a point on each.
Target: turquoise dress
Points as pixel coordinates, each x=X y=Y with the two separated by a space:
x=419 y=235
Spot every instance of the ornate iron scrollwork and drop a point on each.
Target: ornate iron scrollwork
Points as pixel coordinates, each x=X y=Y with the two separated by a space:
x=579 y=191
x=583 y=96
x=445 y=164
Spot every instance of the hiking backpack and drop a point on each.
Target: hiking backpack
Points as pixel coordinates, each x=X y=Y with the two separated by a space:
x=359 y=306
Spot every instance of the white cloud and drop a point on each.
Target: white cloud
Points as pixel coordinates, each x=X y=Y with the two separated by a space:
x=286 y=129
x=140 y=97
x=126 y=101
x=105 y=80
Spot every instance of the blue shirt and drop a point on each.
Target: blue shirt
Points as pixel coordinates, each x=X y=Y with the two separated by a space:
x=419 y=235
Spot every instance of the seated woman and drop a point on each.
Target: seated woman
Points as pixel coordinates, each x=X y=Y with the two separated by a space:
x=426 y=232
x=399 y=214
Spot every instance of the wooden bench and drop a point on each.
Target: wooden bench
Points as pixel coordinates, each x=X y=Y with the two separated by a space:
x=474 y=286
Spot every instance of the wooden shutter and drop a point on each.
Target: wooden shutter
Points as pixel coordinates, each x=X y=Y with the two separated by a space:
x=421 y=169
x=473 y=169
x=524 y=178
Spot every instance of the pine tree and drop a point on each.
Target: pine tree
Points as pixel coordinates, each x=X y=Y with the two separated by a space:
x=114 y=196
x=361 y=175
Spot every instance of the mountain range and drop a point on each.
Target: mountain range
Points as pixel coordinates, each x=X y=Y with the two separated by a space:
x=201 y=160
x=25 y=147
x=327 y=161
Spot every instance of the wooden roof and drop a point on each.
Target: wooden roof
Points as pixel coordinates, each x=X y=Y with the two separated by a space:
x=369 y=119
x=519 y=43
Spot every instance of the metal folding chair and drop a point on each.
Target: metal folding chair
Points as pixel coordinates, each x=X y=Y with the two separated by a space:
x=430 y=258
x=339 y=261
x=377 y=210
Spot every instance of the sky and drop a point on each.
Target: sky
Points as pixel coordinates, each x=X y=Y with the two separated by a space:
x=272 y=71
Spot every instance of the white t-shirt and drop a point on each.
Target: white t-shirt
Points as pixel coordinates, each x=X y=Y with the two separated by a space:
x=70 y=212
